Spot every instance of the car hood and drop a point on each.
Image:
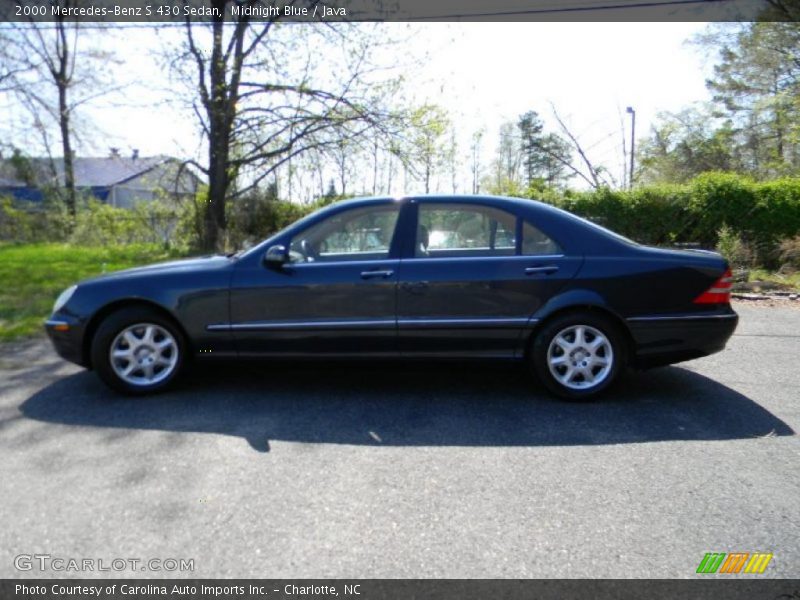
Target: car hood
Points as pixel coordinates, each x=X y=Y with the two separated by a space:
x=186 y=265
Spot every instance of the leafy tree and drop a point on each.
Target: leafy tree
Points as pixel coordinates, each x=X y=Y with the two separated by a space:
x=683 y=145
x=756 y=84
x=427 y=150
x=544 y=155
x=509 y=155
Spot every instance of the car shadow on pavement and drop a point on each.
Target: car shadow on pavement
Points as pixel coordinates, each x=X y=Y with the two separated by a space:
x=412 y=405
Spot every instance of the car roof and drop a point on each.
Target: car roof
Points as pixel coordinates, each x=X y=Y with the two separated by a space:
x=444 y=198
x=569 y=230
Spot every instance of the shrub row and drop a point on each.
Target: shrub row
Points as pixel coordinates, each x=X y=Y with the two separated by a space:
x=95 y=224
x=761 y=212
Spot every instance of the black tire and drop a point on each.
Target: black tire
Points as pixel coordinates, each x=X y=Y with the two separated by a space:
x=584 y=360
x=113 y=326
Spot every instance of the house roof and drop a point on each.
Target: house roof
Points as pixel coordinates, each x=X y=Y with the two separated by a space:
x=89 y=172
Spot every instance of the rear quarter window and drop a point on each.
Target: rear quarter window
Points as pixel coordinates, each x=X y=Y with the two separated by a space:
x=536 y=243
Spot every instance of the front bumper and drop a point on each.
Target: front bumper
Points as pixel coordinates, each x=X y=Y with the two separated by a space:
x=66 y=334
x=663 y=340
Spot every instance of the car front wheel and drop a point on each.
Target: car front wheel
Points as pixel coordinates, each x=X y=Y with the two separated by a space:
x=578 y=355
x=137 y=351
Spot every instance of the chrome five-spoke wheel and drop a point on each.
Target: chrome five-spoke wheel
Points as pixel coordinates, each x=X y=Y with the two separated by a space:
x=580 y=357
x=144 y=354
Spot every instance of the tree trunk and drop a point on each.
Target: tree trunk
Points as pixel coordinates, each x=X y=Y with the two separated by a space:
x=427 y=177
x=62 y=83
x=66 y=146
x=218 y=147
x=375 y=167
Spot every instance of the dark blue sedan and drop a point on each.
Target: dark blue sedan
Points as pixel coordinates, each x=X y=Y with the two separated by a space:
x=432 y=277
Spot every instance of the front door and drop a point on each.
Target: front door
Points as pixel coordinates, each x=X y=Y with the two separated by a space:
x=336 y=296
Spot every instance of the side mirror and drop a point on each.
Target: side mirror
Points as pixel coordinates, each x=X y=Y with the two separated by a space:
x=276 y=256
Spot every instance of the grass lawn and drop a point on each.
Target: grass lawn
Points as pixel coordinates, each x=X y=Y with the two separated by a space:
x=789 y=281
x=32 y=276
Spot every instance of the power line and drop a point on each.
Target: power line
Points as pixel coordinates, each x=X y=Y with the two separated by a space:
x=571 y=9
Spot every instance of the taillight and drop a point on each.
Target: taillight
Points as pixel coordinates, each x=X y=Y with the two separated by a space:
x=719 y=292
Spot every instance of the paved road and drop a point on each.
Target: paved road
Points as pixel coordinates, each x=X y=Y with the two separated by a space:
x=401 y=471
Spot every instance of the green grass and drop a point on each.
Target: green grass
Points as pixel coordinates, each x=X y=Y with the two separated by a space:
x=788 y=281
x=32 y=276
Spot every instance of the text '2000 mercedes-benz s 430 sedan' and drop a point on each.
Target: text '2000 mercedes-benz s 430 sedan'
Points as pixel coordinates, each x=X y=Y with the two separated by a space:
x=466 y=277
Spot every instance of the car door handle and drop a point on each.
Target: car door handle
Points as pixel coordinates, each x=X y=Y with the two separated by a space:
x=547 y=270
x=384 y=273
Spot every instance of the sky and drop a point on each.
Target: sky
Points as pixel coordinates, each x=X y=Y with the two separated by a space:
x=590 y=72
x=483 y=73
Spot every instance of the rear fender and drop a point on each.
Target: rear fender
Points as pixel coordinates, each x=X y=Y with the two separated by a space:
x=574 y=298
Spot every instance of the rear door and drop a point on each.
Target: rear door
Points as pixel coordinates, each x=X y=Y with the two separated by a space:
x=473 y=278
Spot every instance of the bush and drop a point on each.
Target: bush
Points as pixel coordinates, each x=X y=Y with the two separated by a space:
x=98 y=224
x=733 y=248
x=47 y=222
x=95 y=224
x=651 y=215
x=759 y=214
x=789 y=253
x=258 y=215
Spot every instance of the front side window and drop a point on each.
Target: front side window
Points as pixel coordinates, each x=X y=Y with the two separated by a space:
x=456 y=230
x=358 y=234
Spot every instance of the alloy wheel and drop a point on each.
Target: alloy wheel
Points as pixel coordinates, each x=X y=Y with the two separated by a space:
x=143 y=354
x=580 y=357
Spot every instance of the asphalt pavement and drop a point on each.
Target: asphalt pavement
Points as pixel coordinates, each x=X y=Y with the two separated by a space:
x=406 y=470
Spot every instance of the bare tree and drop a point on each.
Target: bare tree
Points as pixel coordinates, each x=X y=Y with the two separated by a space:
x=52 y=76
x=475 y=167
x=261 y=96
x=451 y=158
x=49 y=51
x=375 y=161
x=593 y=175
x=342 y=152
x=10 y=67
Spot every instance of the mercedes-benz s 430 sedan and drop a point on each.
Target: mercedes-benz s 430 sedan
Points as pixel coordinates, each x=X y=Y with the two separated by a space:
x=431 y=277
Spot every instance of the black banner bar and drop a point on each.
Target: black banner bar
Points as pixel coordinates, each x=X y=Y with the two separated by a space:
x=401 y=589
x=178 y=11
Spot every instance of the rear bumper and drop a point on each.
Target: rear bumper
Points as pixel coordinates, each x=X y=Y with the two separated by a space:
x=667 y=339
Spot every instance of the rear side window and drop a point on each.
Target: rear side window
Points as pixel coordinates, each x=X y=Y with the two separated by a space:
x=536 y=243
x=464 y=230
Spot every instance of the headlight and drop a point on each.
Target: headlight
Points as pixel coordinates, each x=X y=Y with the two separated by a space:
x=64 y=298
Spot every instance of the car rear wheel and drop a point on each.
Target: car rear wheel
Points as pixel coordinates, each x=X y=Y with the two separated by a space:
x=578 y=355
x=137 y=351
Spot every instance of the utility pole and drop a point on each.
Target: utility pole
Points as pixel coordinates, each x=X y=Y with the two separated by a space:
x=632 y=113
